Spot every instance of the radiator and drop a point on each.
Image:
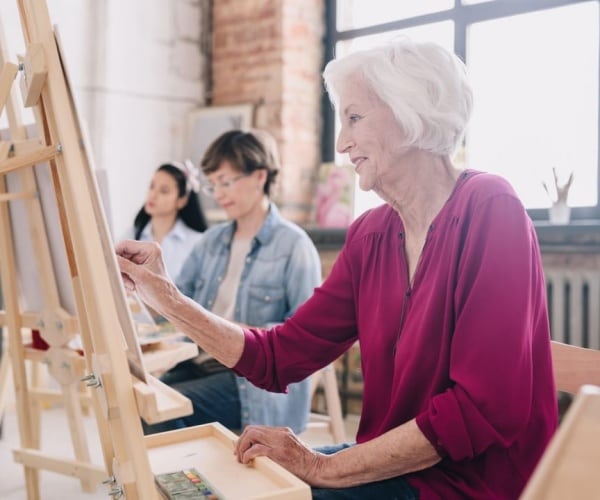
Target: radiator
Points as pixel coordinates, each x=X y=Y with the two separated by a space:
x=574 y=306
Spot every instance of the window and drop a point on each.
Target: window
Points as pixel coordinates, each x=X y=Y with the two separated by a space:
x=534 y=67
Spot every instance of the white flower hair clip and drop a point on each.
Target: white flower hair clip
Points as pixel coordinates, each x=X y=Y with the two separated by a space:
x=191 y=174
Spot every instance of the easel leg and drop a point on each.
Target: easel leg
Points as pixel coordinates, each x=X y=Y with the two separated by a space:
x=37 y=382
x=75 y=419
x=4 y=370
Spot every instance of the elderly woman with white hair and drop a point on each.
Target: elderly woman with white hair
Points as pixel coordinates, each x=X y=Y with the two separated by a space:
x=442 y=286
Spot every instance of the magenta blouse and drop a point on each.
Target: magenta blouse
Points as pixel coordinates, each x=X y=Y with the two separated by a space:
x=464 y=348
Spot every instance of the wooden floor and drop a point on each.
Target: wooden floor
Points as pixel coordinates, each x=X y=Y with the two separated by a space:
x=55 y=438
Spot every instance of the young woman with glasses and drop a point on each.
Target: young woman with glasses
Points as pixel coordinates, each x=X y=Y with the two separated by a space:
x=255 y=269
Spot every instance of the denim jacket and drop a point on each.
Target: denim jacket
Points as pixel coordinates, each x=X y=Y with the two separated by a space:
x=280 y=273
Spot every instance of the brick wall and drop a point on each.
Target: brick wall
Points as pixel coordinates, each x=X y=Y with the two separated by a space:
x=269 y=53
x=139 y=67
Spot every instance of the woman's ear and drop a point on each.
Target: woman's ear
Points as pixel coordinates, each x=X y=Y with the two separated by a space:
x=262 y=177
x=182 y=202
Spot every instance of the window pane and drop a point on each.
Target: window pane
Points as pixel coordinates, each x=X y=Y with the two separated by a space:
x=353 y=14
x=442 y=33
x=535 y=78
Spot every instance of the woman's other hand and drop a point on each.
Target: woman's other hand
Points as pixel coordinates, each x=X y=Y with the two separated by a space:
x=283 y=447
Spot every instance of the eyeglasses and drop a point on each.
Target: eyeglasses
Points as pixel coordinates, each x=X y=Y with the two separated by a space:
x=209 y=189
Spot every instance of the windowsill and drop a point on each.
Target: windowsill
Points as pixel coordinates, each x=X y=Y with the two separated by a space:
x=327 y=238
x=581 y=236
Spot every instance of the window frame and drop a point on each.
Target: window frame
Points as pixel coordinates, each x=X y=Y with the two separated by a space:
x=462 y=16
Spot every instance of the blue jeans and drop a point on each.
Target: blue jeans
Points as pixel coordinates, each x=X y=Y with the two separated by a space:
x=395 y=488
x=214 y=398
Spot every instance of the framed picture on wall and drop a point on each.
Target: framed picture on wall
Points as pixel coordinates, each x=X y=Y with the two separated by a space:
x=203 y=127
x=335 y=196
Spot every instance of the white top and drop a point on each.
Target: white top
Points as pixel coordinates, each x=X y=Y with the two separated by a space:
x=225 y=299
x=176 y=245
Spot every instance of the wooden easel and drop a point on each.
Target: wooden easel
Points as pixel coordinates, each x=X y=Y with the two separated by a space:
x=102 y=318
x=122 y=390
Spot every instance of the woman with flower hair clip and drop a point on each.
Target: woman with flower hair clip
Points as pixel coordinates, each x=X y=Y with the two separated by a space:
x=171 y=215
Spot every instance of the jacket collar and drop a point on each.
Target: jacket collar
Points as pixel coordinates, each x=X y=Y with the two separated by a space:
x=265 y=233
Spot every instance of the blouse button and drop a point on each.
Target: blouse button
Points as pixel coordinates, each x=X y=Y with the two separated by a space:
x=267 y=298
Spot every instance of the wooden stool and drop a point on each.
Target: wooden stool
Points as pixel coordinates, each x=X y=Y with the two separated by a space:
x=333 y=419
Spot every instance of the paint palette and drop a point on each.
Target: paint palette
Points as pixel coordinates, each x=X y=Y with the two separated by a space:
x=185 y=484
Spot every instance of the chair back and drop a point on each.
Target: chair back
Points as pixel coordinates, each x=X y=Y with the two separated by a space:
x=574 y=366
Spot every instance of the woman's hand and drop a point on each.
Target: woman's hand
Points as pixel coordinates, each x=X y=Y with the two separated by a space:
x=143 y=270
x=283 y=447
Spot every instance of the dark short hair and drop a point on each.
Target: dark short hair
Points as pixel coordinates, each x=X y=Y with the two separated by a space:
x=245 y=151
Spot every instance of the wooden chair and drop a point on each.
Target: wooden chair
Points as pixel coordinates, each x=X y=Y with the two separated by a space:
x=574 y=366
x=569 y=466
x=333 y=420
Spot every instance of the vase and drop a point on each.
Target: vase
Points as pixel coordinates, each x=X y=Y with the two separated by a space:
x=559 y=213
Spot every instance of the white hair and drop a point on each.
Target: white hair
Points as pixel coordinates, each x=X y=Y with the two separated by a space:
x=424 y=85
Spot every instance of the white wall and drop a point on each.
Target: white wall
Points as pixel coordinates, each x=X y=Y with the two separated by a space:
x=137 y=67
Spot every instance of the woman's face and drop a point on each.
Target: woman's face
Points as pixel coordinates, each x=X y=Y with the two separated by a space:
x=370 y=135
x=163 y=198
x=237 y=193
